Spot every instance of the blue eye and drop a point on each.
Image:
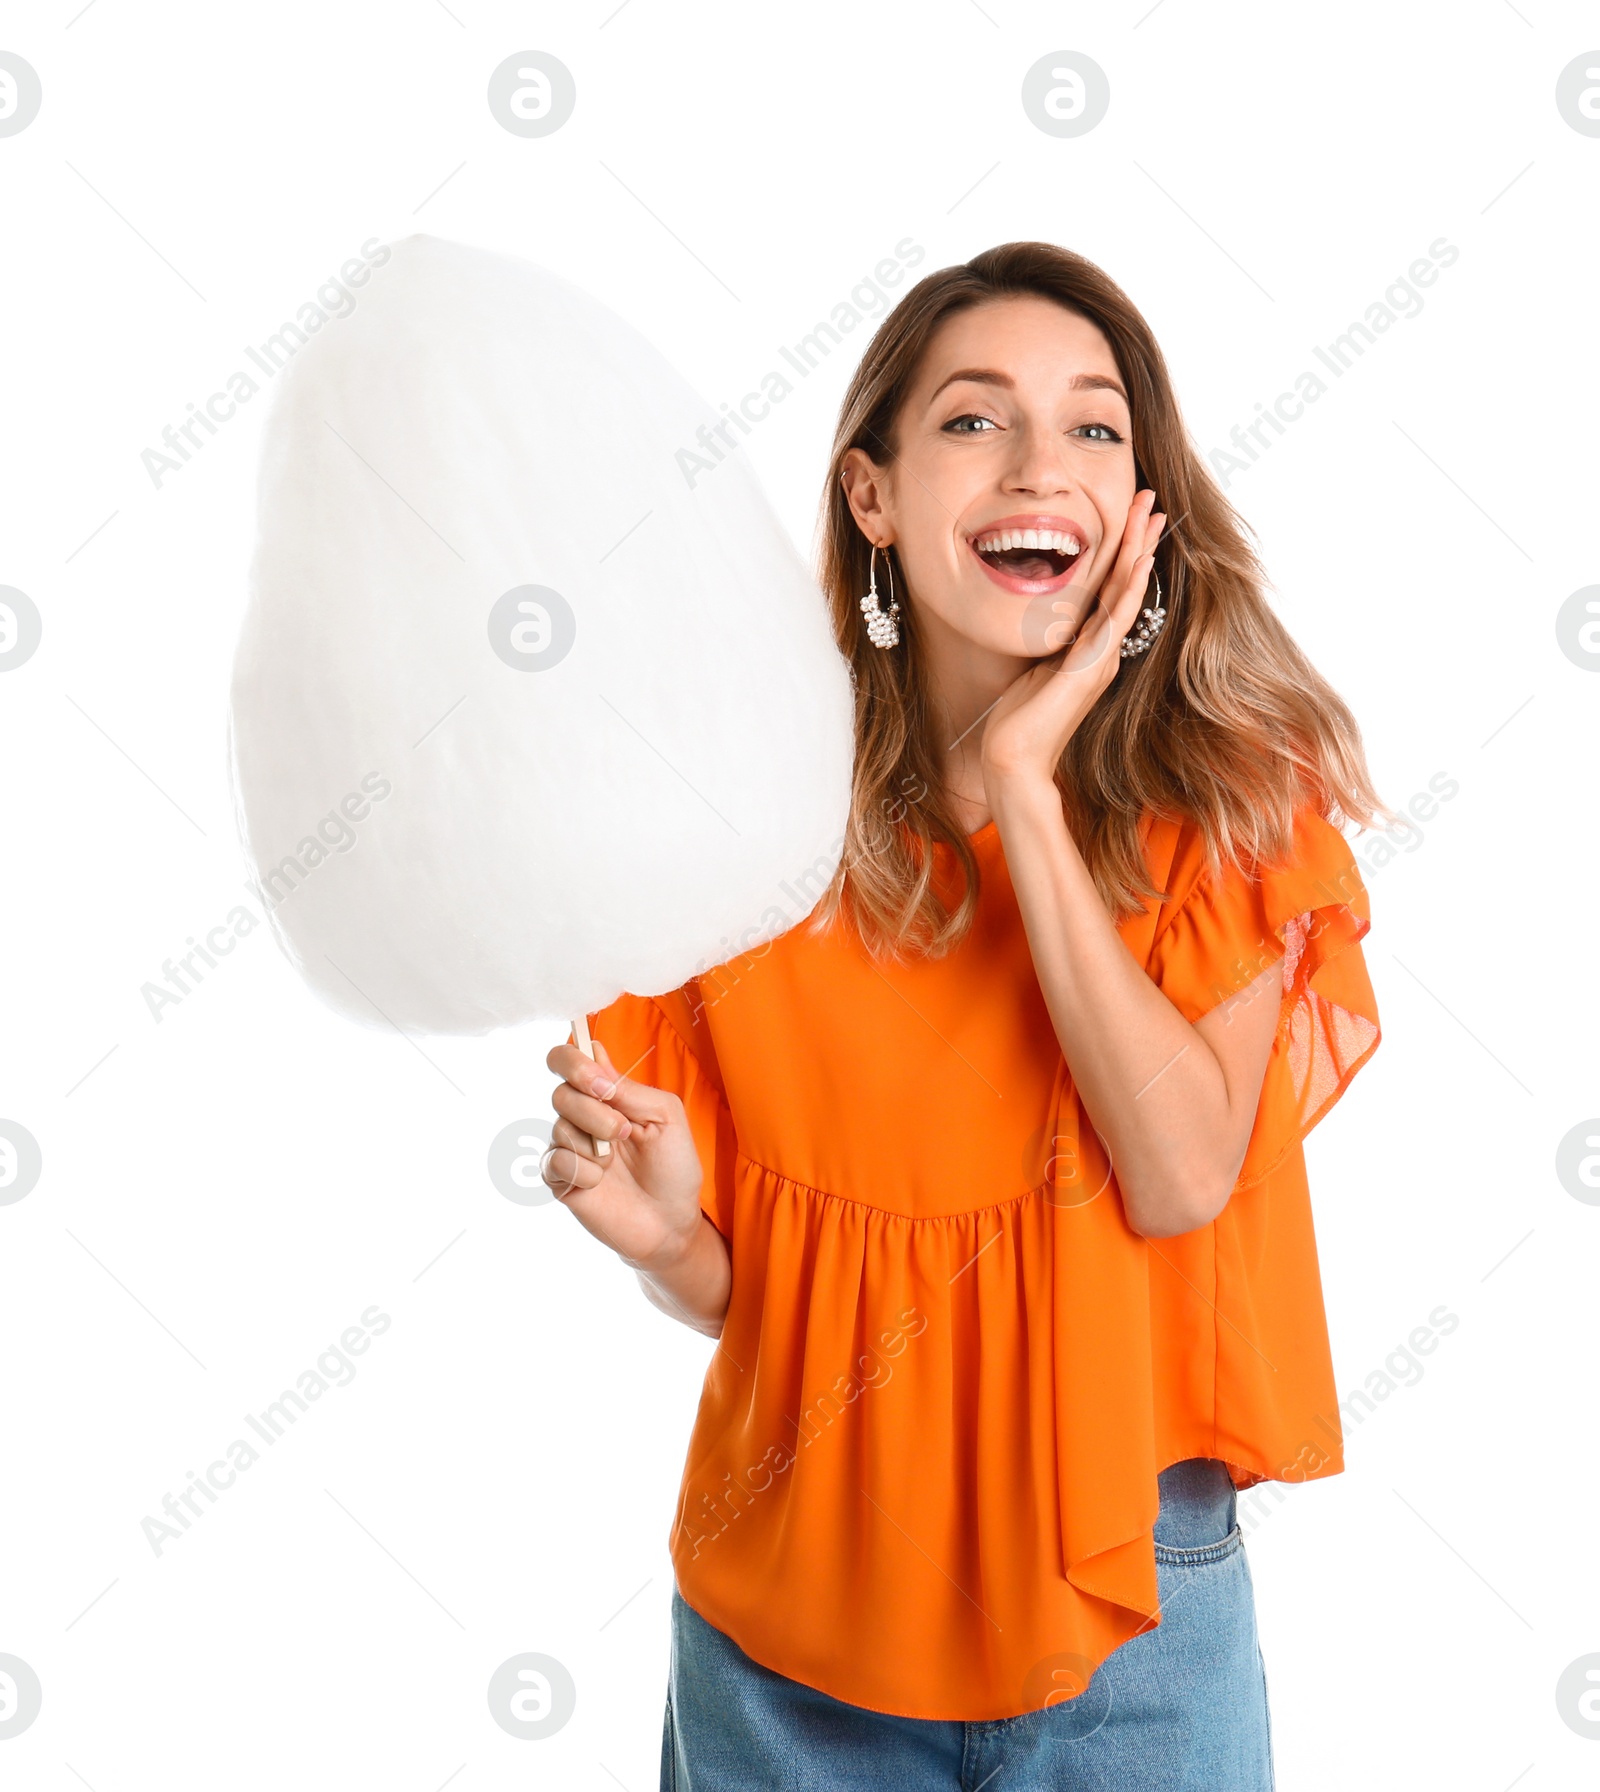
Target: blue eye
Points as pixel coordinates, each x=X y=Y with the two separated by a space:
x=970 y=417
x=1110 y=435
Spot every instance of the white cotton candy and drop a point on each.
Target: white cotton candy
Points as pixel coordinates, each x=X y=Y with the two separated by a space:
x=449 y=842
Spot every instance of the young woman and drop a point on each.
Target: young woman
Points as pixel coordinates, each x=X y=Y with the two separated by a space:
x=988 y=1177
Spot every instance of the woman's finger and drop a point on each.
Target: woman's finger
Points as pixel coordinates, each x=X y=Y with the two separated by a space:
x=1124 y=599
x=573 y=1138
x=567 y=1173
x=1125 y=611
x=1135 y=544
x=1116 y=605
x=635 y=1101
x=595 y=1076
x=596 y=1117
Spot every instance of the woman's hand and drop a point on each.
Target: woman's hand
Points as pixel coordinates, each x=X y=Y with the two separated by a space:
x=643 y=1201
x=1029 y=727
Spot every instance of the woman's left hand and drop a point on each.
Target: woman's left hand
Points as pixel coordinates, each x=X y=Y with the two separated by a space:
x=1029 y=727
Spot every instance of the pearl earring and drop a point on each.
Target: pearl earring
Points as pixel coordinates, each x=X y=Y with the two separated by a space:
x=1150 y=624
x=883 y=627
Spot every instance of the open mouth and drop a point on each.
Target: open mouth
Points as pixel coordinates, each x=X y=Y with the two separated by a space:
x=1027 y=560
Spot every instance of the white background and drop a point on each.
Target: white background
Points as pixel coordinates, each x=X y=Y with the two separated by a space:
x=226 y=1190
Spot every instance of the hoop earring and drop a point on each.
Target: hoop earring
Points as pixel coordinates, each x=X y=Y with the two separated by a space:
x=883 y=627
x=1150 y=624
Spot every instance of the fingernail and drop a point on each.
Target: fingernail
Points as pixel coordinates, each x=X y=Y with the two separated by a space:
x=601 y=1084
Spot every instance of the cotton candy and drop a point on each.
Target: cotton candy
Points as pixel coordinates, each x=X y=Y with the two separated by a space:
x=468 y=803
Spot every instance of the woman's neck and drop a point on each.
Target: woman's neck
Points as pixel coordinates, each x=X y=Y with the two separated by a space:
x=965 y=683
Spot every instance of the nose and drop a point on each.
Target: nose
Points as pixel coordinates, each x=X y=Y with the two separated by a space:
x=1039 y=465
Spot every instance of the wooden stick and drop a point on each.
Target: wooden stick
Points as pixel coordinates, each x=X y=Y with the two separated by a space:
x=580 y=1032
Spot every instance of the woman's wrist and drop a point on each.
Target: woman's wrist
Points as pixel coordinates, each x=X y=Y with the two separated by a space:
x=1021 y=795
x=691 y=1280
x=677 y=1248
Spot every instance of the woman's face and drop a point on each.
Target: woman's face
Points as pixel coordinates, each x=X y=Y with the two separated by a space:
x=1011 y=479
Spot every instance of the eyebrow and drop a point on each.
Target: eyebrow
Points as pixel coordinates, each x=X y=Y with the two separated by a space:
x=987 y=376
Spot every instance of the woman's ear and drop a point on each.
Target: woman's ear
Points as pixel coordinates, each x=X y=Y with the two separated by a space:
x=866 y=492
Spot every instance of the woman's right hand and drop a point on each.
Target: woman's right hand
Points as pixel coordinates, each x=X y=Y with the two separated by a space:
x=643 y=1199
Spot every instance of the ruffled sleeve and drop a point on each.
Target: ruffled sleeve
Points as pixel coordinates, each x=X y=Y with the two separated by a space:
x=664 y=1041
x=1216 y=934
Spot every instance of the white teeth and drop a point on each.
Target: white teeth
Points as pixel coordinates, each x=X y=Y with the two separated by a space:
x=998 y=541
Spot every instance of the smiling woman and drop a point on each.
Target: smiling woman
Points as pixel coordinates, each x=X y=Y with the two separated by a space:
x=1038 y=1069
x=1029 y=371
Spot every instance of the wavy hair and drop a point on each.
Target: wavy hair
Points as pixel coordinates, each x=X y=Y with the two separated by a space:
x=1223 y=722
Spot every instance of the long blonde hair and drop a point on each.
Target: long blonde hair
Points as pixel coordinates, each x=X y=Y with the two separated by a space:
x=1224 y=721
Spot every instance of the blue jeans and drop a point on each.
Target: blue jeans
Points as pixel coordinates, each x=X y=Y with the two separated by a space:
x=1182 y=1708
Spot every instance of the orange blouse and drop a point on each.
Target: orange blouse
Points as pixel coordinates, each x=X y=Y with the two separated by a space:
x=923 y=1473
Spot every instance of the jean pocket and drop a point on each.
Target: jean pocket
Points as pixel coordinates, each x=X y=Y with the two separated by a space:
x=1202 y=1553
